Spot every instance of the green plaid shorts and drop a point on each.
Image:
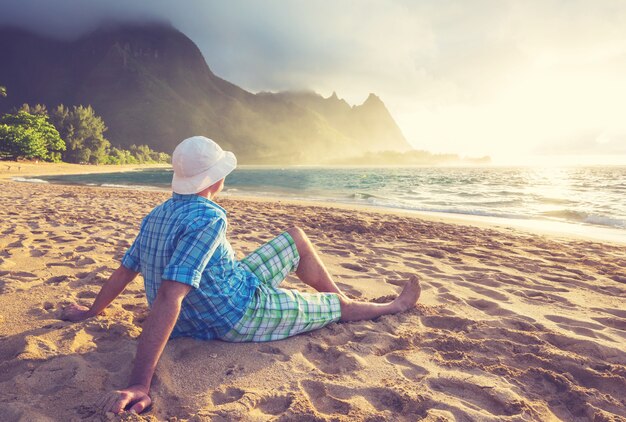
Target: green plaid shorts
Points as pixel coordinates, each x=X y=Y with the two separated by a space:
x=275 y=313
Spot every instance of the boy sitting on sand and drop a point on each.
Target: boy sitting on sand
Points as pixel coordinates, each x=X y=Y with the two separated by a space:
x=196 y=288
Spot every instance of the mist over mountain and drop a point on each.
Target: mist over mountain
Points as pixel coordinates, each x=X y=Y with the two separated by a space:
x=151 y=85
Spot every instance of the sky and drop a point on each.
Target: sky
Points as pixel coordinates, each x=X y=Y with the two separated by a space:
x=526 y=82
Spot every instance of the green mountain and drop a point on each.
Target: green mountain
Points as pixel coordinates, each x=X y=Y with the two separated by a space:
x=151 y=85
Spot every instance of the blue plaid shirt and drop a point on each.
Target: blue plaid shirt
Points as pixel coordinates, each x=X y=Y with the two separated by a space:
x=184 y=240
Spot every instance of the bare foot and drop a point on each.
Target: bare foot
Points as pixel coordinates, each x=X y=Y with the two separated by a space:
x=409 y=295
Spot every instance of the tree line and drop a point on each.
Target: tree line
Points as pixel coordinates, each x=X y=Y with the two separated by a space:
x=71 y=134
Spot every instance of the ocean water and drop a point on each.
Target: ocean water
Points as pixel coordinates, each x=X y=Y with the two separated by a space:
x=588 y=196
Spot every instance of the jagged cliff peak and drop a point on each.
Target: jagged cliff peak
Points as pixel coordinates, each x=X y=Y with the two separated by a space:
x=373 y=99
x=152 y=85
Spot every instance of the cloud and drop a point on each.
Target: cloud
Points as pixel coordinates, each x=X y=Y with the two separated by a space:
x=590 y=143
x=68 y=19
x=468 y=77
x=352 y=46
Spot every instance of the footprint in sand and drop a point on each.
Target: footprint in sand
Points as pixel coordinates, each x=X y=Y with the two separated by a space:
x=62 y=239
x=573 y=322
x=36 y=253
x=447 y=322
x=617 y=323
x=522 y=323
x=355 y=267
x=619 y=278
x=5 y=253
x=492 y=294
x=382 y=261
x=435 y=253
x=17 y=244
x=386 y=399
x=448 y=297
x=417 y=262
x=91 y=277
x=104 y=241
x=23 y=275
x=140 y=312
x=60 y=264
x=440 y=288
x=107 y=335
x=275 y=405
x=274 y=352
x=82 y=261
x=451 y=278
x=504 y=278
x=86 y=294
x=231 y=394
x=335 y=335
x=234 y=369
x=431 y=270
x=333 y=399
x=585 y=348
x=409 y=370
x=489 y=307
x=617 y=312
x=369 y=342
x=483 y=280
x=57 y=279
x=124 y=244
x=537 y=296
x=587 y=332
x=339 y=252
x=322 y=401
x=38 y=348
x=332 y=360
x=54 y=375
x=561 y=389
x=480 y=397
x=84 y=275
x=612 y=291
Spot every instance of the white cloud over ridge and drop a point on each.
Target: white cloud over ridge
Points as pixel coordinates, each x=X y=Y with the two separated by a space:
x=505 y=78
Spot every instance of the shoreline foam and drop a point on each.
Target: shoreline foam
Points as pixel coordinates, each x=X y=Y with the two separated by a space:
x=549 y=227
x=563 y=219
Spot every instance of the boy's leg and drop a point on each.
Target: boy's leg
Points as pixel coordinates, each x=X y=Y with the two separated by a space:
x=352 y=310
x=311 y=270
x=292 y=251
x=277 y=313
x=274 y=260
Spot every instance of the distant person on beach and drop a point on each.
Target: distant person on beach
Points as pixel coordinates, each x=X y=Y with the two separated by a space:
x=195 y=287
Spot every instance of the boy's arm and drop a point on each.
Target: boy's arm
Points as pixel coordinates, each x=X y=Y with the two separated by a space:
x=156 y=332
x=109 y=291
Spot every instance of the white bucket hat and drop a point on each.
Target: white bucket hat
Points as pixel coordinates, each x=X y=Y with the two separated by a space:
x=198 y=163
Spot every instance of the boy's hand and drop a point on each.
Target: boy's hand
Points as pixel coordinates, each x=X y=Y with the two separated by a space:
x=75 y=313
x=135 y=398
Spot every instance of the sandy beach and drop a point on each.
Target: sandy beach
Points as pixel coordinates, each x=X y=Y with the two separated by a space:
x=511 y=325
x=17 y=169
